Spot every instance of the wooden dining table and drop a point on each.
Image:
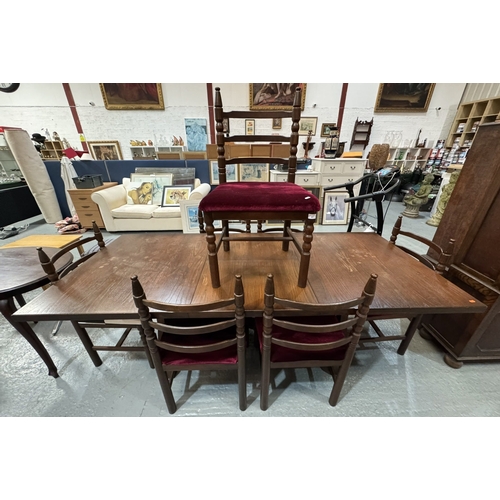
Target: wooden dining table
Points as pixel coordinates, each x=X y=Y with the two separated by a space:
x=174 y=268
x=21 y=272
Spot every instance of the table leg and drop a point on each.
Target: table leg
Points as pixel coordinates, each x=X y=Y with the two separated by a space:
x=412 y=328
x=8 y=308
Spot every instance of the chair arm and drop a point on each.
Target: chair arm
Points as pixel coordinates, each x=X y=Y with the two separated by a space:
x=200 y=192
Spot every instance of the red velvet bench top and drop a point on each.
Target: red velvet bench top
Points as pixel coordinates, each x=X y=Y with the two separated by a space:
x=260 y=196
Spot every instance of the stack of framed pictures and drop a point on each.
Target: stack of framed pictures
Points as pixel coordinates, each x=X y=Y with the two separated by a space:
x=156 y=189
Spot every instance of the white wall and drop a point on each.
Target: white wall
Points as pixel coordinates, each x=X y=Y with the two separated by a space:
x=35 y=107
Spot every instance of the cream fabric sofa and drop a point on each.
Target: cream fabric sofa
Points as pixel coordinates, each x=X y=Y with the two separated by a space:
x=119 y=216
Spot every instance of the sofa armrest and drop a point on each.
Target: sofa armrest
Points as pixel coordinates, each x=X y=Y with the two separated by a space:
x=109 y=199
x=200 y=192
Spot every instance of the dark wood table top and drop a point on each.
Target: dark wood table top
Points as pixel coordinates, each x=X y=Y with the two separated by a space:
x=174 y=268
x=21 y=271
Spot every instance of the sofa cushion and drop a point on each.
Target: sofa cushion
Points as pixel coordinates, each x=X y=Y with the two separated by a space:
x=167 y=212
x=133 y=211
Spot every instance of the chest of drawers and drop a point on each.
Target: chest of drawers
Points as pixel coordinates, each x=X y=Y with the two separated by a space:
x=86 y=209
x=338 y=171
x=305 y=178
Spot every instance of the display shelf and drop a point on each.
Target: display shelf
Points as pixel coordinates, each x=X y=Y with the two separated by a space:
x=408 y=159
x=143 y=152
x=10 y=173
x=468 y=118
x=52 y=150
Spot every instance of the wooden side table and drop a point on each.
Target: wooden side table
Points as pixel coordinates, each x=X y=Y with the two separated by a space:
x=87 y=209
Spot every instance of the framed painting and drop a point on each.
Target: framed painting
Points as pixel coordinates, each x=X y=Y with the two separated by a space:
x=189 y=216
x=173 y=195
x=307 y=125
x=249 y=127
x=404 y=97
x=105 y=150
x=254 y=172
x=326 y=128
x=132 y=95
x=157 y=181
x=269 y=96
x=196 y=134
x=276 y=123
x=335 y=210
x=231 y=173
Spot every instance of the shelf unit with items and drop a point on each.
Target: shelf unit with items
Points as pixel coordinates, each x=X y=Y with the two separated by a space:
x=10 y=173
x=408 y=159
x=52 y=150
x=143 y=152
x=468 y=118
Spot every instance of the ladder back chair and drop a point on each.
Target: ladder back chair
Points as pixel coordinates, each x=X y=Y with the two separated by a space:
x=439 y=266
x=49 y=267
x=184 y=341
x=258 y=201
x=321 y=339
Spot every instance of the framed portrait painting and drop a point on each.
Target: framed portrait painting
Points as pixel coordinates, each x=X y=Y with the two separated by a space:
x=132 y=95
x=173 y=195
x=105 y=150
x=271 y=96
x=157 y=181
x=254 y=172
x=335 y=209
x=404 y=97
x=276 y=123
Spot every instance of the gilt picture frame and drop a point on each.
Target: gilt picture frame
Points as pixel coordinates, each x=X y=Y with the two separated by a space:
x=308 y=124
x=403 y=97
x=105 y=150
x=270 y=96
x=125 y=96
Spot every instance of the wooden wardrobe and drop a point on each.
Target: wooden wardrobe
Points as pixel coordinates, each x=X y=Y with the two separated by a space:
x=472 y=218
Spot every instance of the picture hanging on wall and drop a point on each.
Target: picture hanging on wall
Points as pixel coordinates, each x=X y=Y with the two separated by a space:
x=196 y=134
x=105 y=150
x=307 y=125
x=404 y=97
x=270 y=96
x=132 y=95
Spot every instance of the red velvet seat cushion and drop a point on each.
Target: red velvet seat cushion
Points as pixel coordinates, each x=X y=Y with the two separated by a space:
x=284 y=354
x=226 y=356
x=262 y=196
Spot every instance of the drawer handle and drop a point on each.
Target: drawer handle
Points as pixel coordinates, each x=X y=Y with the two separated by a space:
x=333 y=167
x=86 y=206
x=305 y=180
x=330 y=180
x=353 y=167
x=88 y=215
x=83 y=199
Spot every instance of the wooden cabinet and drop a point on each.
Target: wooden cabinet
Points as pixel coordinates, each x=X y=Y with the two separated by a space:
x=468 y=119
x=87 y=209
x=53 y=150
x=472 y=219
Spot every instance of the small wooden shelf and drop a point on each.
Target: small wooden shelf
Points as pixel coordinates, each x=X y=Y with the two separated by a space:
x=53 y=150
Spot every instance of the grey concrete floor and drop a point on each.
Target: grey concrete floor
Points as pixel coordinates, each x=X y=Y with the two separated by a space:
x=380 y=383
